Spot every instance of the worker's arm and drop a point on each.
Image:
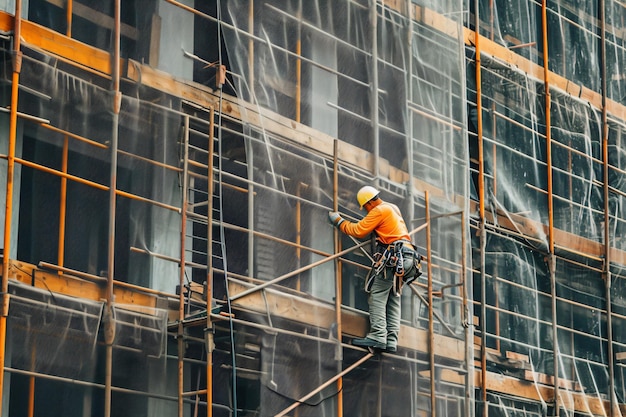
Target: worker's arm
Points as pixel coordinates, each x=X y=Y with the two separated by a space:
x=364 y=227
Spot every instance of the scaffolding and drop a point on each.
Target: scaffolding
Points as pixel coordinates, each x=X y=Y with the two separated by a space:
x=169 y=169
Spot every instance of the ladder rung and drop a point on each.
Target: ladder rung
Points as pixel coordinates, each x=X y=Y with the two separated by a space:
x=196 y=238
x=198 y=191
x=197 y=148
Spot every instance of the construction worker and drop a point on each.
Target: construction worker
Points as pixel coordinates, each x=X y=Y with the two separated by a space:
x=396 y=262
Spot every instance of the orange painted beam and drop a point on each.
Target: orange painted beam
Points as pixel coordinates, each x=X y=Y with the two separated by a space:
x=535 y=71
x=76 y=287
x=40 y=37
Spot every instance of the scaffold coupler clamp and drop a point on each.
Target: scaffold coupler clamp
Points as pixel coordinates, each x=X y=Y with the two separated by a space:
x=209 y=338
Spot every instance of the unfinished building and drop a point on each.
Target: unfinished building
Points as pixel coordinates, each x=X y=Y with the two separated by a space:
x=167 y=167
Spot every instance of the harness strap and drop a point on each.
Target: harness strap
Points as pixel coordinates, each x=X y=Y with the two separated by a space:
x=392 y=256
x=399 y=272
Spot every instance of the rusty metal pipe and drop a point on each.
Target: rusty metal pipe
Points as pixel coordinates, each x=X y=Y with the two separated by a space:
x=31 y=380
x=297 y=271
x=431 y=321
x=299 y=64
x=63 y=205
x=614 y=408
x=181 y=269
x=68 y=16
x=551 y=255
x=8 y=214
x=324 y=385
x=93 y=184
x=251 y=55
x=374 y=102
x=338 y=277
x=73 y=135
x=481 y=202
x=210 y=269
x=108 y=316
x=469 y=343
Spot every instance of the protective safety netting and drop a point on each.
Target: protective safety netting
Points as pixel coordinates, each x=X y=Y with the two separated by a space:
x=223 y=185
x=552 y=265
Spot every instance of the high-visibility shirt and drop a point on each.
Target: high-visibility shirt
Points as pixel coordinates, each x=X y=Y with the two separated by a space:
x=385 y=220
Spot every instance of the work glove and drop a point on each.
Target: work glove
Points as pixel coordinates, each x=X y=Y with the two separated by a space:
x=335 y=218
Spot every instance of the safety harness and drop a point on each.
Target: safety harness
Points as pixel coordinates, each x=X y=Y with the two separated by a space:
x=392 y=256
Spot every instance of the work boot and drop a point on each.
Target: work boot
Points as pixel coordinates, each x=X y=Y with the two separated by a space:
x=369 y=343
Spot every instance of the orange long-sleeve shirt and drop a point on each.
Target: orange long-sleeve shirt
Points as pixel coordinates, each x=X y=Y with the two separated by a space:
x=385 y=220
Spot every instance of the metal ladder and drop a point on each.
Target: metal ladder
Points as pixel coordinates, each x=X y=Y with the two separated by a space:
x=201 y=252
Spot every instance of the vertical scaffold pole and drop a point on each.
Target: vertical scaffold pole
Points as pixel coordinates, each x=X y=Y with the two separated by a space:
x=551 y=255
x=8 y=213
x=338 y=278
x=481 y=202
x=181 y=271
x=614 y=410
x=431 y=322
x=251 y=47
x=63 y=205
x=299 y=64
x=109 y=317
x=469 y=344
x=374 y=86
x=209 y=279
x=69 y=12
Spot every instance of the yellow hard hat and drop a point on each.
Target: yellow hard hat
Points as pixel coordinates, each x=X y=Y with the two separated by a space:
x=365 y=194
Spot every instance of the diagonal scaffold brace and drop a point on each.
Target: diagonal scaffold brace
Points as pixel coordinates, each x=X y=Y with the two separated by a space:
x=325 y=384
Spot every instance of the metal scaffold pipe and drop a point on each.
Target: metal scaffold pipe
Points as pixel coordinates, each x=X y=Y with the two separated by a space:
x=69 y=13
x=210 y=269
x=324 y=385
x=109 y=317
x=614 y=408
x=431 y=321
x=181 y=270
x=551 y=255
x=374 y=85
x=297 y=271
x=8 y=214
x=481 y=202
x=468 y=333
x=63 y=204
x=338 y=277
